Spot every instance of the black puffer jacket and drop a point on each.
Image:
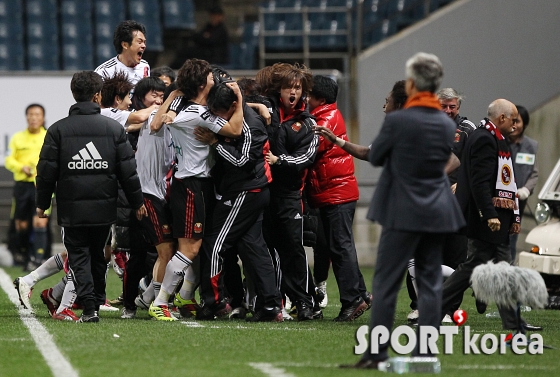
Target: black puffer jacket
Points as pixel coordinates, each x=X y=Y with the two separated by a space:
x=83 y=157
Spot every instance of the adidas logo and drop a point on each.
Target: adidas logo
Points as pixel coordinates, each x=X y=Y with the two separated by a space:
x=227 y=203
x=88 y=158
x=297 y=217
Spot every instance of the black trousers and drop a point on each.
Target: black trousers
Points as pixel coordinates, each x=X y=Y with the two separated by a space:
x=86 y=258
x=284 y=233
x=479 y=252
x=395 y=249
x=337 y=223
x=142 y=257
x=237 y=220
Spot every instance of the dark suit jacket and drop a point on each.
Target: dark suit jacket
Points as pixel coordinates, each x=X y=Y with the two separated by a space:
x=476 y=184
x=413 y=191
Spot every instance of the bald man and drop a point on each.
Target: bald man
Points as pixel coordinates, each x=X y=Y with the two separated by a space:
x=486 y=193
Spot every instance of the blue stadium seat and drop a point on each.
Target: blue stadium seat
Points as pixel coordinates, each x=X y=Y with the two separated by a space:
x=42 y=35
x=379 y=32
x=11 y=36
x=249 y=45
x=178 y=14
x=147 y=12
x=76 y=34
x=107 y=15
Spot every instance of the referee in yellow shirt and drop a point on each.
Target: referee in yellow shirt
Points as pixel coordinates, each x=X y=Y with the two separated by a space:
x=25 y=147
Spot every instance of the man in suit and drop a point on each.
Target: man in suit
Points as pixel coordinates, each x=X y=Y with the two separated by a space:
x=412 y=200
x=486 y=193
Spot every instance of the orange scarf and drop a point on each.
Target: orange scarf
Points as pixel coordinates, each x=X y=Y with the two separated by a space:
x=423 y=99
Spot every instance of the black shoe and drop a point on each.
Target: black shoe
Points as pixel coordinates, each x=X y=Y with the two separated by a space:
x=529 y=327
x=304 y=313
x=480 y=306
x=207 y=313
x=352 y=311
x=362 y=364
x=317 y=314
x=89 y=317
x=267 y=315
x=368 y=297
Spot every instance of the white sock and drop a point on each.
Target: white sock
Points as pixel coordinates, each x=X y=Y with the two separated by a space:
x=49 y=268
x=157 y=288
x=173 y=273
x=58 y=290
x=149 y=294
x=189 y=284
x=69 y=295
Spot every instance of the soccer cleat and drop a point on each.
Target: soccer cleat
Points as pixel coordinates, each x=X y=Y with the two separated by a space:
x=143 y=285
x=286 y=316
x=50 y=301
x=106 y=307
x=267 y=315
x=160 y=313
x=322 y=288
x=66 y=315
x=128 y=313
x=90 y=318
x=139 y=301
x=352 y=311
x=207 y=313
x=317 y=314
x=24 y=293
x=288 y=304
x=238 y=313
x=447 y=319
x=368 y=298
x=187 y=308
x=412 y=316
x=304 y=313
x=119 y=301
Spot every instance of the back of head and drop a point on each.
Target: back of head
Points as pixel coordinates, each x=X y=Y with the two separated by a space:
x=264 y=79
x=324 y=88
x=499 y=107
x=285 y=75
x=450 y=94
x=220 y=98
x=191 y=76
x=85 y=85
x=143 y=87
x=117 y=85
x=124 y=32
x=399 y=94
x=426 y=71
x=164 y=71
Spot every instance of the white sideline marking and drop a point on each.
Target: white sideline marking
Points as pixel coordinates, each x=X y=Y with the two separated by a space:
x=501 y=367
x=271 y=370
x=60 y=367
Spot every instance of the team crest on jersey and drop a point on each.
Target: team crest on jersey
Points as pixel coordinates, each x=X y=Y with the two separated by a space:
x=457 y=137
x=506 y=175
x=165 y=229
x=198 y=227
x=296 y=126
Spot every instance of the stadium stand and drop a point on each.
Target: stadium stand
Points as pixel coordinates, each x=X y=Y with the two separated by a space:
x=76 y=34
x=11 y=36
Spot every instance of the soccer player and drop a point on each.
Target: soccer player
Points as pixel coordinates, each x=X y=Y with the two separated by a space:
x=165 y=74
x=130 y=42
x=192 y=189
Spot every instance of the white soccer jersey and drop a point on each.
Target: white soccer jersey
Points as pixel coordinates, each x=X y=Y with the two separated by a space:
x=154 y=158
x=120 y=116
x=194 y=158
x=135 y=74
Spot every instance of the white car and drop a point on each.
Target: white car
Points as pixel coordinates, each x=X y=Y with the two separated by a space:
x=544 y=255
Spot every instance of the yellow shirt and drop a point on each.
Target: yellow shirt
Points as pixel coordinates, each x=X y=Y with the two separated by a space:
x=24 y=151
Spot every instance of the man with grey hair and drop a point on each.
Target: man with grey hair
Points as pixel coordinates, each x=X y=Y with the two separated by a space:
x=412 y=202
x=486 y=192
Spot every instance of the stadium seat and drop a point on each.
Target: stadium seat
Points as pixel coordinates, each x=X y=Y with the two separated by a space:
x=42 y=35
x=11 y=36
x=178 y=14
x=42 y=56
x=249 y=45
x=147 y=12
x=76 y=34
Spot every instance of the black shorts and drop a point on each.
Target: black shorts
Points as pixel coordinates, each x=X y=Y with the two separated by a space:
x=24 y=198
x=158 y=223
x=192 y=202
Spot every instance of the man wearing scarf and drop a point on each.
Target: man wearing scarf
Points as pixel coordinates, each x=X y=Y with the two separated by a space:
x=486 y=192
x=412 y=201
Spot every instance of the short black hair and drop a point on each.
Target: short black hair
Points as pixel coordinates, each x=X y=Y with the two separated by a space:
x=193 y=74
x=164 y=71
x=220 y=98
x=117 y=85
x=35 y=105
x=85 y=85
x=168 y=89
x=324 y=88
x=399 y=94
x=143 y=87
x=524 y=114
x=125 y=33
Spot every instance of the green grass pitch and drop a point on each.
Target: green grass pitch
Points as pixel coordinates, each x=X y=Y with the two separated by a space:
x=235 y=348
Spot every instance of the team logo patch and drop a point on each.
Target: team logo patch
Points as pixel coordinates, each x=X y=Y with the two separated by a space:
x=296 y=126
x=457 y=137
x=165 y=229
x=506 y=175
x=198 y=227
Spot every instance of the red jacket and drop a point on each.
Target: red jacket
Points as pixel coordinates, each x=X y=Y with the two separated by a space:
x=331 y=178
